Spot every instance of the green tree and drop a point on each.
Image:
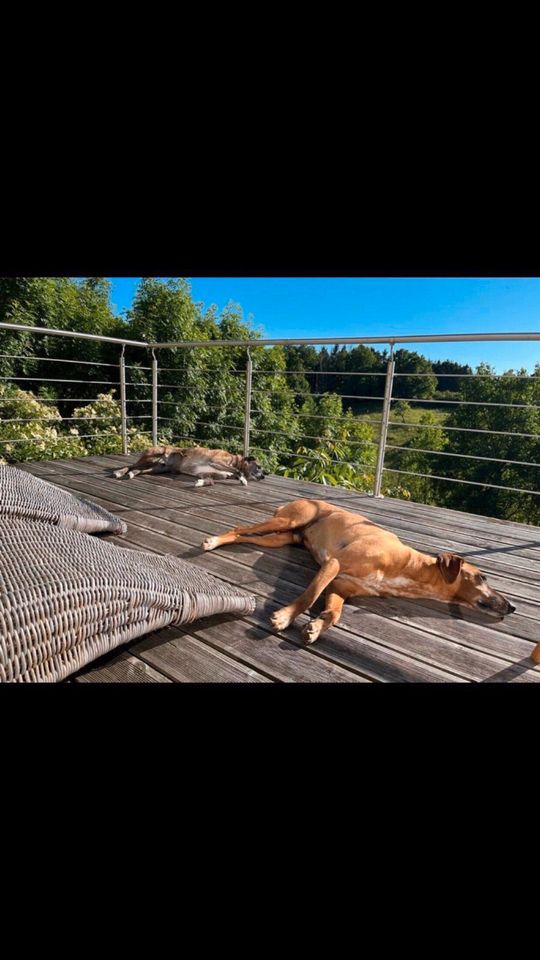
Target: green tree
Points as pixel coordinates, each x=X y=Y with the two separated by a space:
x=485 y=393
x=336 y=448
x=420 y=386
x=401 y=410
x=65 y=304
x=450 y=384
x=202 y=392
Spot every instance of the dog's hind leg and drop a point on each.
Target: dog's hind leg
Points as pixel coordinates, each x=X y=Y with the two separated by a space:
x=271 y=539
x=328 y=618
x=152 y=468
x=144 y=464
x=281 y=619
x=288 y=517
x=275 y=525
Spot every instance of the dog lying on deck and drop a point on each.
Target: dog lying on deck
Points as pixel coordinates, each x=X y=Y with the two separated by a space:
x=359 y=559
x=207 y=465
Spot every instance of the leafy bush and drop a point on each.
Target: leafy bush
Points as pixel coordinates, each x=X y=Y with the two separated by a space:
x=31 y=430
x=101 y=427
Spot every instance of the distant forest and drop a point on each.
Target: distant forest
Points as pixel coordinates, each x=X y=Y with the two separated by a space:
x=315 y=412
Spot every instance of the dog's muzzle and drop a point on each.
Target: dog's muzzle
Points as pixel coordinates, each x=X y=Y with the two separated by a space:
x=502 y=607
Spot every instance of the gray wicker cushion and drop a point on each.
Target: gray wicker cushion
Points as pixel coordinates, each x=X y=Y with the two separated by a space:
x=66 y=598
x=30 y=498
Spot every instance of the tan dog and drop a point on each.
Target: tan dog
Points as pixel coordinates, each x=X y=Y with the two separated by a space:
x=200 y=462
x=360 y=559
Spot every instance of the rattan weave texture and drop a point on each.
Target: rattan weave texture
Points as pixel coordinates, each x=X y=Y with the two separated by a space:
x=67 y=598
x=30 y=498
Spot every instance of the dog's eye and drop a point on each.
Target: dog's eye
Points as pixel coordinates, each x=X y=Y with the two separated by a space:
x=482 y=578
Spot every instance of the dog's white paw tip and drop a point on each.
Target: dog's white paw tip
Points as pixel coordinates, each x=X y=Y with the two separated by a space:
x=210 y=543
x=131 y=475
x=199 y=483
x=280 y=620
x=310 y=633
x=243 y=481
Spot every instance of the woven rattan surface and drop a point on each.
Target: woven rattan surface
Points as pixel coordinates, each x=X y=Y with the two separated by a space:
x=30 y=498
x=67 y=598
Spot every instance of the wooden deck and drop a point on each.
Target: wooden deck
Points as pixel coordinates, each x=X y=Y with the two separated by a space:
x=377 y=640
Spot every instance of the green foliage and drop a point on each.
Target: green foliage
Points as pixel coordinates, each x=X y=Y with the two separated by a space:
x=429 y=436
x=419 y=387
x=31 y=430
x=401 y=410
x=101 y=426
x=325 y=464
x=449 y=384
x=337 y=449
x=523 y=392
x=60 y=303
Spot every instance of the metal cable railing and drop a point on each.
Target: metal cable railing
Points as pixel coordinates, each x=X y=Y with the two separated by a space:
x=472 y=483
x=256 y=385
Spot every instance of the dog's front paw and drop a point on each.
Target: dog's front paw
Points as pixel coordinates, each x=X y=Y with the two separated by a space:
x=243 y=481
x=282 y=619
x=210 y=543
x=311 y=631
x=131 y=475
x=118 y=473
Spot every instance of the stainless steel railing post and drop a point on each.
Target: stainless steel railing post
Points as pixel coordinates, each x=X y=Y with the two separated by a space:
x=123 y=401
x=384 y=425
x=247 y=420
x=154 y=400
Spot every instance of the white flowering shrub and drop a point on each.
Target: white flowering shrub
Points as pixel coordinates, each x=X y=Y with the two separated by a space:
x=100 y=424
x=31 y=430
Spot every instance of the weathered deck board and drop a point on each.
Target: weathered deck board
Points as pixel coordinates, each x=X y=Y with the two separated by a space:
x=120 y=668
x=184 y=658
x=261 y=649
x=377 y=640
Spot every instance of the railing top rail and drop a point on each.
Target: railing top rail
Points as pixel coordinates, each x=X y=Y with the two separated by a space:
x=50 y=332
x=330 y=341
x=286 y=341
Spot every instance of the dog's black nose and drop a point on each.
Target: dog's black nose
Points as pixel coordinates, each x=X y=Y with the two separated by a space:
x=511 y=608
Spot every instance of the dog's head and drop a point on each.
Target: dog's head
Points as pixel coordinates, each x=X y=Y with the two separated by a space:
x=252 y=470
x=469 y=586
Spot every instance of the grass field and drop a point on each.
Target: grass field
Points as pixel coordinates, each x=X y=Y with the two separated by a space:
x=400 y=435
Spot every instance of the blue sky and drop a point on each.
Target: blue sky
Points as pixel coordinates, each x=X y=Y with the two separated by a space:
x=350 y=306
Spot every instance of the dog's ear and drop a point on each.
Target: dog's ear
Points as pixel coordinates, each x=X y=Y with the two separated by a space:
x=450 y=566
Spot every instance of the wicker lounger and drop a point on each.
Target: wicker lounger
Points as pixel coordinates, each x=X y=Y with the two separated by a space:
x=30 y=498
x=66 y=598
